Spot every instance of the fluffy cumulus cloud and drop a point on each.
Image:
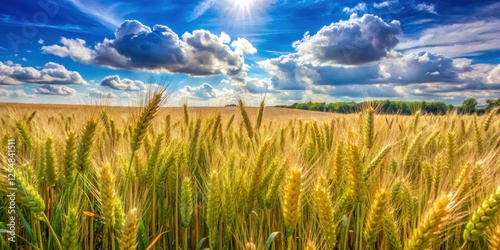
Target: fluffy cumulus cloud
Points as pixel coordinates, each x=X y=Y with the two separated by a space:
x=288 y=73
x=419 y=68
x=137 y=46
x=72 y=48
x=355 y=41
x=50 y=73
x=494 y=75
x=356 y=58
x=114 y=82
x=95 y=93
x=243 y=46
x=49 y=89
x=14 y=93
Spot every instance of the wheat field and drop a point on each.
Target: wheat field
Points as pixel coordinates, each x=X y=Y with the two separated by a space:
x=249 y=178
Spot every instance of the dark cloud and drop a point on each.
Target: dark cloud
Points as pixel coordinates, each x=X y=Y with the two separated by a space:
x=48 y=89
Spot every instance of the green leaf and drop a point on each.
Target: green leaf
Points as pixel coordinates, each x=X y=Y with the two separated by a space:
x=200 y=243
x=271 y=239
x=56 y=224
x=27 y=226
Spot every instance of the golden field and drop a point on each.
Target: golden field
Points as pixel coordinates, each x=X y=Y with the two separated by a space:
x=93 y=177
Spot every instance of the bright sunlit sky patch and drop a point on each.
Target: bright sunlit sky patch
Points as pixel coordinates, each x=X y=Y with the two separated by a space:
x=72 y=51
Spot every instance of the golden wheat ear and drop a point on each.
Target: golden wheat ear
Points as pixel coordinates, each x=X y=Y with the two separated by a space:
x=292 y=202
x=130 y=229
x=325 y=212
x=432 y=224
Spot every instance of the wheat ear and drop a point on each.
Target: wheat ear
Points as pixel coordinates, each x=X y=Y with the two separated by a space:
x=481 y=218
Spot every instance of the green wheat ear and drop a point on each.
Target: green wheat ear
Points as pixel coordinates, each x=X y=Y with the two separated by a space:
x=186 y=204
x=246 y=119
x=70 y=238
x=50 y=161
x=84 y=152
x=148 y=114
x=368 y=130
x=481 y=218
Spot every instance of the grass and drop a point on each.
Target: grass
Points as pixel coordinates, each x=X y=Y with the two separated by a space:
x=249 y=178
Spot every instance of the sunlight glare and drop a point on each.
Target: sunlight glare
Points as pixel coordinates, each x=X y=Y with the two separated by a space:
x=243 y=11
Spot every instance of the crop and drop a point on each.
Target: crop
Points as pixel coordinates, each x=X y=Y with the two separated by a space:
x=250 y=178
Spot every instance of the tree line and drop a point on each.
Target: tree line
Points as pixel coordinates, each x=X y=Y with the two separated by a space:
x=469 y=106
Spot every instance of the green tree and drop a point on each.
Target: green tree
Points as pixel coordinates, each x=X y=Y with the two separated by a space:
x=492 y=103
x=469 y=106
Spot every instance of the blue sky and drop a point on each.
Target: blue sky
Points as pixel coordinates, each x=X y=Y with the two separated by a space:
x=215 y=51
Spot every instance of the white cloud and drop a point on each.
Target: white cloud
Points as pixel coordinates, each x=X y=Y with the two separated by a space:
x=100 y=94
x=356 y=41
x=455 y=40
x=418 y=68
x=14 y=93
x=106 y=14
x=206 y=92
x=431 y=8
x=384 y=4
x=159 y=49
x=73 y=48
x=114 y=82
x=243 y=46
x=53 y=73
x=40 y=41
x=360 y=7
x=49 y=89
x=200 y=9
x=494 y=75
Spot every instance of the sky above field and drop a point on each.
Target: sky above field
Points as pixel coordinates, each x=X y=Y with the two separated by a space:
x=215 y=51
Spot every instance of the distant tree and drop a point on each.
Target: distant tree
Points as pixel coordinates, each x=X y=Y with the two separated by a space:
x=383 y=107
x=469 y=106
x=492 y=103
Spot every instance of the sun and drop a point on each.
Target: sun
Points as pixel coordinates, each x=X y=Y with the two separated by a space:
x=242 y=3
x=243 y=7
x=243 y=15
x=243 y=11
